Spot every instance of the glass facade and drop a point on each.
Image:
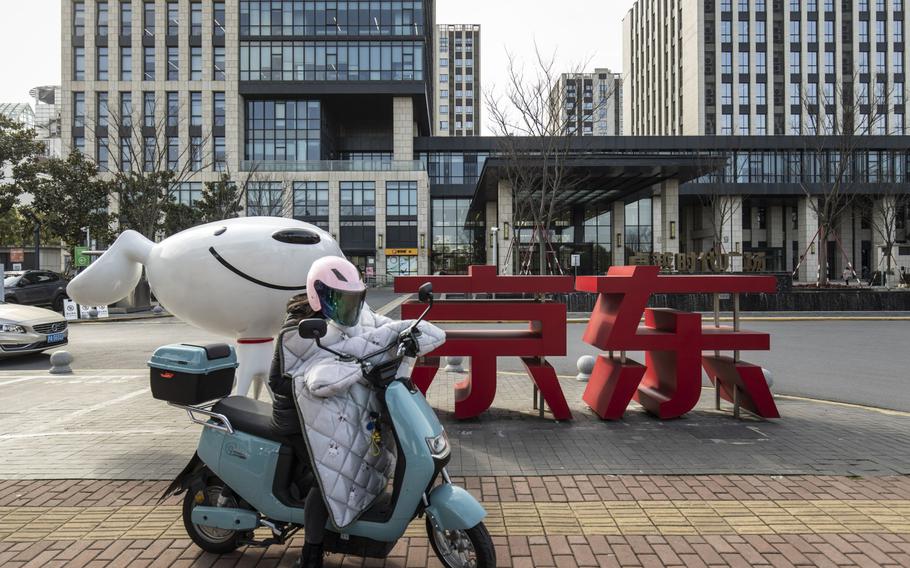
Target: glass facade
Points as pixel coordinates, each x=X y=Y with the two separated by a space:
x=259 y=18
x=599 y=237
x=401 y=214
x=639 y=235
x=187 y=193
x=458 y=240
x=282 y=130
x=358 y=215
x=454 y=167
x=311 y=203
x=331 y=61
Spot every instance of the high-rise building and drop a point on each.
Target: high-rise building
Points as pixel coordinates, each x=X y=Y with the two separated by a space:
x=588 y=104
x=458 y=93
x=47 y=118
x=758 y=67
x=314 y=106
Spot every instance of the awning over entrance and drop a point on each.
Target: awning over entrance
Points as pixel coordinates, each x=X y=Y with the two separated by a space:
x=601 y=178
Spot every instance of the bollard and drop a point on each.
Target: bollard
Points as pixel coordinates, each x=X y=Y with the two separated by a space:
x=60 y=363
x=453 y=365
x=157 y=310
x=769 y=377
x=93 y=313
x=585 y=368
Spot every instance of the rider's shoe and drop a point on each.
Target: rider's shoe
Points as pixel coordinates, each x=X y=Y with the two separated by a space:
x=311 y=557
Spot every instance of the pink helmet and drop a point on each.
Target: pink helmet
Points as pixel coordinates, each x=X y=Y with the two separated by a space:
x=334 y=287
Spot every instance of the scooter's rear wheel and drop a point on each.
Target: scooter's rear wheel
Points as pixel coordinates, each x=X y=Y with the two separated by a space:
x=471 y=548
x=210 y=539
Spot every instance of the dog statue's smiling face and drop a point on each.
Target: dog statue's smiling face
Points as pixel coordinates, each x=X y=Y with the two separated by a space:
x=233 y=277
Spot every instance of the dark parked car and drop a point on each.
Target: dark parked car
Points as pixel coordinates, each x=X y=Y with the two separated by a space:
x=35 y=288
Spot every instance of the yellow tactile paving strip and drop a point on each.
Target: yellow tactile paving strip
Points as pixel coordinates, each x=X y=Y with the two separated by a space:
x=27 y=524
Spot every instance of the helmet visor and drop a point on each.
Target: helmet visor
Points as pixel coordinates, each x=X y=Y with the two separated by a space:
x=341 y=306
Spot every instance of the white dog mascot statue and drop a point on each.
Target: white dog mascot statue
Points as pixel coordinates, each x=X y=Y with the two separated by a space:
x=231 y=278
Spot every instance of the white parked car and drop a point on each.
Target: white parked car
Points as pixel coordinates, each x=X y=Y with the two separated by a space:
x=27 y=329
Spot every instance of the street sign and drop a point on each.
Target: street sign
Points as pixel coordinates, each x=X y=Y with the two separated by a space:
x=17 y=266
x=84 y=311
x=70 y=310
x=576 y=260
x=80 y=259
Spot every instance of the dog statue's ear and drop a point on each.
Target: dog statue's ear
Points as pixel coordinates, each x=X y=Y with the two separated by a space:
x=113 y=276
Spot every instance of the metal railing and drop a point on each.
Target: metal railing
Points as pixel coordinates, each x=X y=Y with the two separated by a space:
x=332 y=166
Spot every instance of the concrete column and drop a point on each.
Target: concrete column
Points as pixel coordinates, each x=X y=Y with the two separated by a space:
x=669 y=218
x=504 y=215
x=776 y=226
x=845 y=234
x=806 y=231
x=381 y=227
x=491 y=217
x=619 y=233
x=335 y=208
x=729 y=217
x=424 y=238
x=403 y=129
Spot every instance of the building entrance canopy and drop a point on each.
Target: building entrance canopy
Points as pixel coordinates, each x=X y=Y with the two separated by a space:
x=595 y=179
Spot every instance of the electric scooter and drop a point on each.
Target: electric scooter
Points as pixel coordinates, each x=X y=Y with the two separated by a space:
x=243 y=477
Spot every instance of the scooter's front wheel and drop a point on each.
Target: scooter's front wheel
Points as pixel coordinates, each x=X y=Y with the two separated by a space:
x=210 y=539
x=471 y=548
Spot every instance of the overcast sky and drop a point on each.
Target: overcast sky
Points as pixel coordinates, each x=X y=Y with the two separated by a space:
x=578 y=30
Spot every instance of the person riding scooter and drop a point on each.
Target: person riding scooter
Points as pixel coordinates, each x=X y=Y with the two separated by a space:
x=340 y=415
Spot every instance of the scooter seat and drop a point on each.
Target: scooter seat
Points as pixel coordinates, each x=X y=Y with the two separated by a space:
x=250 y=416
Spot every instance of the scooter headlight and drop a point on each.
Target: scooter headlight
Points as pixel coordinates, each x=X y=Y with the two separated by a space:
x=439 y=446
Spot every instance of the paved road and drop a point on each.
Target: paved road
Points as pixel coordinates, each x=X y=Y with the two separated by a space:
x=860 y=362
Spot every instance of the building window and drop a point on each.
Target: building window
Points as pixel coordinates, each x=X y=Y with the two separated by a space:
x=760 y=34
x=341 y=18
x=639 y=228
x=358 y=215
x=173 y=153
x=103 y=110
x=148 y=19
x=196 y=19
x=265 y=199
x=220 y=156
x=173 y=63
x=744 y=62
x=148 y=110
x=149 y=154
x=794 y=62
x=126 y=154
x=79 y=64
x=102 y=18
x=726 y=63
x=78 y=110
x=173 y=110
x=283 y=130
x=126 y=19
x=195 y=109
x=79 y=19
x=311 y=203
x=173 y=19
x=102 y=66
x=148 y=64
x=220 y=110
x=218 y=21
x=196 y=64
x=401 y=214
x=102 y=154
x=219 y=69
x=126 y=64
x=196 y=153
x=744 y=94
x=331 y=61
x=187 y=193
x=126 y=110
x=726 y=94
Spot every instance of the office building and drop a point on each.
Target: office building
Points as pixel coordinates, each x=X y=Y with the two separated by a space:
x=457 y=77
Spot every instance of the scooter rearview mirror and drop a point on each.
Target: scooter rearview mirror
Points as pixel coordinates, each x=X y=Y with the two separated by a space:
x=425 y=293
x=312 y=329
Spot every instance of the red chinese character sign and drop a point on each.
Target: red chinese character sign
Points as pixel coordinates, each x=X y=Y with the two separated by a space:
x=545 y=335
x=668 y=385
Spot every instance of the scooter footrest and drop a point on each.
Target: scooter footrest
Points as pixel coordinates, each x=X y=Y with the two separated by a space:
x=357 y=546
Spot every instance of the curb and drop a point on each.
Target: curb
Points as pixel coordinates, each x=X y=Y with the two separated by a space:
x=119 y=319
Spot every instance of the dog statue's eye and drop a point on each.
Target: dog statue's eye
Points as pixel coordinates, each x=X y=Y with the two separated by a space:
x=297 y=237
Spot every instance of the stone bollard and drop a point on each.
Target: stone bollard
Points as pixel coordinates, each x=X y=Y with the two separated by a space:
x=60 y=363
x=769 y=377
x=157 y=310
x=93 y=313
x=453 y=365
x=585 y=368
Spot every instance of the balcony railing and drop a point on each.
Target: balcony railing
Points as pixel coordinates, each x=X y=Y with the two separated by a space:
x=332 y=166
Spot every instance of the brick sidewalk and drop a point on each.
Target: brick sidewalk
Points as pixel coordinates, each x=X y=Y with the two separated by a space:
x=536 y=521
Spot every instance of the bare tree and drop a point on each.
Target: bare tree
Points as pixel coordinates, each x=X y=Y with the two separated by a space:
x=721 y=207
x=831 y=166
x=535 y=151
x=151 y=169
x=884 y=211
